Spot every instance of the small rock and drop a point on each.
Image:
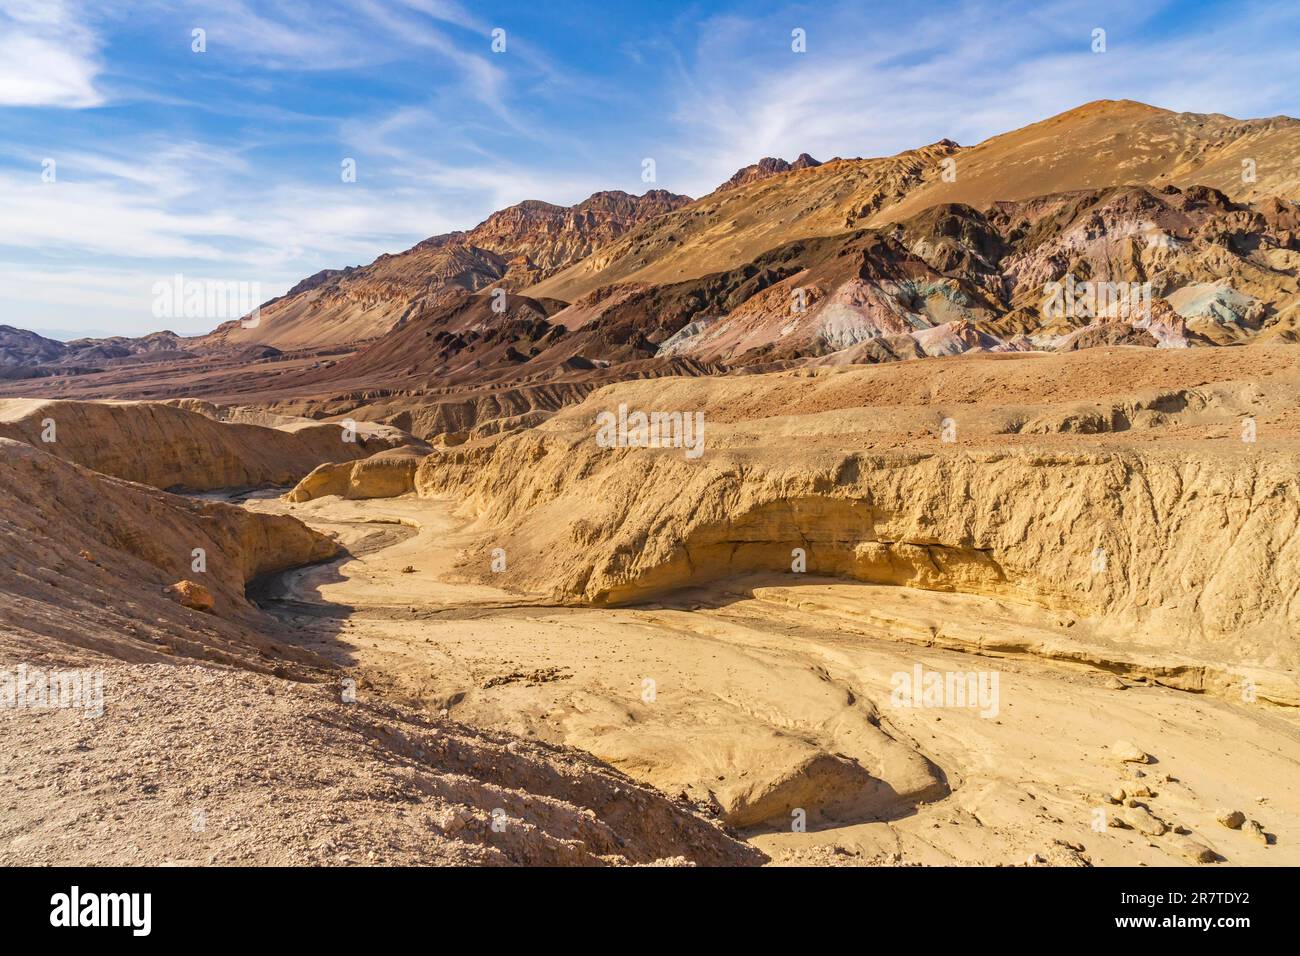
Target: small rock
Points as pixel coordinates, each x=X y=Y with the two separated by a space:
x=1144 y=821
x=1255 y=830
x=192 y=595
x=1118 y=794
x=1127 y=752
x=1193 y=851
x=408 y=570
x=1232 y=819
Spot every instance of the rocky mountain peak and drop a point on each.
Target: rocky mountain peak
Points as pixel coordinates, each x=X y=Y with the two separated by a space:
x=765 y=167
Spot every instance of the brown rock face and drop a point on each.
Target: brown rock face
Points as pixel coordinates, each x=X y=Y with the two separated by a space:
x=550 y=237
x=512 y=248
x=768 y=166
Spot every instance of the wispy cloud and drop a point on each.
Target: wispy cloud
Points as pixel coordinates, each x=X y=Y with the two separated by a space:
x=877 y=82
x=48 y=57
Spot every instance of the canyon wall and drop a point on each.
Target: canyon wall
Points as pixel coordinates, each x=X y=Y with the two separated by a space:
x=1183 y=549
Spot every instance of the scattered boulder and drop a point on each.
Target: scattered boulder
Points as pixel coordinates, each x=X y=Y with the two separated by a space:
x=1255 y=830
x=1232 y=819
x=386 y=474
x=1193 y=851
x=1144 y=821
x=192 y=595
x=1127 y=752
x=1061 y=853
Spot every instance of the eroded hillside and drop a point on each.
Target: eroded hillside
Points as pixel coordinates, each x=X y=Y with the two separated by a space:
x=1135 y=520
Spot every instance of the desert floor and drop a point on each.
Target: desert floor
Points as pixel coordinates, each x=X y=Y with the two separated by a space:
x=733 y=690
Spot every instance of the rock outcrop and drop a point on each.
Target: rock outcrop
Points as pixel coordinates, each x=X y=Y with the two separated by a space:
x=386 y=474
x=764 y=168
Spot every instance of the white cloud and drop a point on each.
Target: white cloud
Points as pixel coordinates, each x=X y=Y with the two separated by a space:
x=47 y=57
x=227 y=227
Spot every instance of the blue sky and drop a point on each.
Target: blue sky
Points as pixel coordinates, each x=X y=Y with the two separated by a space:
x=226 y=164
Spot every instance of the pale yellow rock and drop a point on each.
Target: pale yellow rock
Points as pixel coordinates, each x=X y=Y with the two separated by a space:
x=1128 y=752
x=386 y=474
x=1191 y=850
x=1101 y=576
x=1144 y=821
x=172 y=447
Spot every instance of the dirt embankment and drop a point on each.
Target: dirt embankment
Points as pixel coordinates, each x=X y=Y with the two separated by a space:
x=230 y=768
x=87 y=557
x=171 y=447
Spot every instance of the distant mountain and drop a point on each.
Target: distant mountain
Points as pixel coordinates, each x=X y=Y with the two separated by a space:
x=21 y=349
x=67 y=335
x=939 y=250
x=1132 y=265
x=1100 y=144
x=1190 y=267
x=514 y=247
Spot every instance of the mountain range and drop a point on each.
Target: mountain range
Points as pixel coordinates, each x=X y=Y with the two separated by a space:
x=939 y=250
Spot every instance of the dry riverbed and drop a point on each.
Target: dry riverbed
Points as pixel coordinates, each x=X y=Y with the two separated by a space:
x=775 y=705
